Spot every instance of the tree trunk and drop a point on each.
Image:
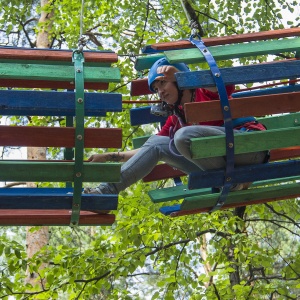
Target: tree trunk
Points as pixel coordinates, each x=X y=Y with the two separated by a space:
x=37 y=239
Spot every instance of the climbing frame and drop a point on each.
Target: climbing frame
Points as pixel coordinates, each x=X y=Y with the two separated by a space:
x=272 y=181
x=58 y=70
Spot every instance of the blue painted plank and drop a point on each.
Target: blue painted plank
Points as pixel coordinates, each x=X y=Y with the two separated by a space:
x=53 y=198
x=167 y=210
x=45 y=103
x=142 y=115
x=215 y=178
x=240 y=74
x=268 y=91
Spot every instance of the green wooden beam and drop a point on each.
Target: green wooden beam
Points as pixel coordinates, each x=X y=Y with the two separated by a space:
x=57 y=73
x=246 y=142
x=224 y=52
x=57 y=171
x=273 y=192
x=277 y=122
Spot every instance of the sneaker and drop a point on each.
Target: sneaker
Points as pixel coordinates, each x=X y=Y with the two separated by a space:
x=240 y=186
x=92 y=191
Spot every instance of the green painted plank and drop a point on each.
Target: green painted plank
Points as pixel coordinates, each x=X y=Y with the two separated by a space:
x=272 y=192
x=57 y=171
x=246 y=142
x=175 y=193
x=181 y=192
x=223 y=52
x=146 y=61
x=57 y=73
x=139 y=141
x=276 y=122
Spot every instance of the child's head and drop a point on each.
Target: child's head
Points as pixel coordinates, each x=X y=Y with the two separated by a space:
x=152 y=76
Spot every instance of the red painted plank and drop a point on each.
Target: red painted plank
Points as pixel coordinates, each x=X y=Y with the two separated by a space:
x=237 y=38
x=55 y=55
x=242 y=107
x=163 y=171
x=140 y=87
x=32 y=136
x=20 y=83
x=51 y=217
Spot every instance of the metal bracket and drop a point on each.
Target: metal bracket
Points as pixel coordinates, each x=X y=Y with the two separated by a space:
x=78 y=61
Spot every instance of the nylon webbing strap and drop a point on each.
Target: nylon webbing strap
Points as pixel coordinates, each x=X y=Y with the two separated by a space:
x=226 y=116
x=78 y=60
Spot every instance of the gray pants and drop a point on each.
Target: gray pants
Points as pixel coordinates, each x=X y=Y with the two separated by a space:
x=157 y=149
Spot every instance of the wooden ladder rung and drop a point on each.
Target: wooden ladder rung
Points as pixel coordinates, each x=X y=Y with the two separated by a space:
x=9 y=217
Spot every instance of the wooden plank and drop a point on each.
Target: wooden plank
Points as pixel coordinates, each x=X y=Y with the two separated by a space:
x=55 y=55
x=240 y=74
x=246 y=142
x=51 y=218
x=224 y=52
x=69 y=85
x=140 y=87
x=246 y=196
x=57 y=73
x=242 y=174
x=163 y=171
x=43 y=103
x=146 y=61
x=281 y=121
x=267 y=91
x=237 y=38
x=242 y=107
x=33 y=136
x=53 y=198
x=57 y=171
x=142 y=115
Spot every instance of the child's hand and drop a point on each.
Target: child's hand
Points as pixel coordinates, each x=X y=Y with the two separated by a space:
x=98 y=158
x=168 y=73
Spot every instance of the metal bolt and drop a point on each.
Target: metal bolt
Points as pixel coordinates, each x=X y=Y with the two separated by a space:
x=204 y=50
x=76 y=205
x=79 y=100
x=226 y=108
x=217 y=74
x=230 y=145
x=78 y=174
x=228 y=179
x=78 y=71
x=79 y=137
x=296 y=121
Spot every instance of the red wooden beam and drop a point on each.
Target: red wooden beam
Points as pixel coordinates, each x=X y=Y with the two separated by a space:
x=55 y=55
x=33 y=136
x=242 y=107
x=139 y=87
x=237 y=38
x=9 y=217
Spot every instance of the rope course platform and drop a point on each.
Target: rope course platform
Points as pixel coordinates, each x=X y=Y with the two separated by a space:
x=277 y=108
x=76 y=71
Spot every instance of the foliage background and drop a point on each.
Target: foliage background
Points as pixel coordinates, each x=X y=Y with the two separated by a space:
x=235 y=254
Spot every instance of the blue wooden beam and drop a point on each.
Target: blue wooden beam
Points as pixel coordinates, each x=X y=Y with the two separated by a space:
x=142 y=115
x=52 y=103
x=215 y=178
x=240 y=74
x=53 y=198
x=268 y=91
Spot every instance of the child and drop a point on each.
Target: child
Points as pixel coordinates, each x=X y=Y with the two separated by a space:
x=172 y=143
